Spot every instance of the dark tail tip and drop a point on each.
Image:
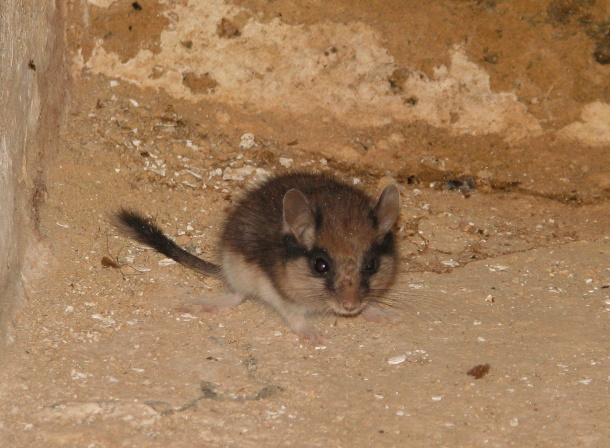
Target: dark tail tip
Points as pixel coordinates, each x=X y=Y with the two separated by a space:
x=139 y=227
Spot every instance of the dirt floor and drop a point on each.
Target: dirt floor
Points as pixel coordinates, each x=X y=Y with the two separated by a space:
x=493 y=117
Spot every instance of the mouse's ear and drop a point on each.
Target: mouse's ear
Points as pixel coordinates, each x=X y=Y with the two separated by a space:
x=387 y=208
x=298 y=218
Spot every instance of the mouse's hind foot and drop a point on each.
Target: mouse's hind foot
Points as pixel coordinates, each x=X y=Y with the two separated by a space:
x=211 y=304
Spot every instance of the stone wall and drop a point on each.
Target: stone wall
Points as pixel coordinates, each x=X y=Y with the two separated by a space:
x=32 y=100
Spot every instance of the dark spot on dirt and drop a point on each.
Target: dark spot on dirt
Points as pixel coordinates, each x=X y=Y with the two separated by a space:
x=209 y=392
x=397 y=79
x=136 y=6
x=208 y=389
x=602 y=52
x=227 y=29
x=267 y=392
x=479 y=371
x=31 y=65
x=251 y=363
x=199 y=83
x=465 y=184
x=410 y=180
x=561 y=11
x=331 y=50
x=491 y=58
x=412 y=100
x=39 y=197
x=586 y=19
x=188 y=44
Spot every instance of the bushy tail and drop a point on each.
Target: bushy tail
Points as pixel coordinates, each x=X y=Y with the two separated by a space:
x=146 y=231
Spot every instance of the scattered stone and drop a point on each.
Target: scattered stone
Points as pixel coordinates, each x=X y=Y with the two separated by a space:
x=397 y=360
x=227 y=29
x=286 y=163
x=479 y=371
x=247 y=141
x=243 y=172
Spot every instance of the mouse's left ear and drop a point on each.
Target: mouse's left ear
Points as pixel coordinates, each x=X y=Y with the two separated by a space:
x=387 y=208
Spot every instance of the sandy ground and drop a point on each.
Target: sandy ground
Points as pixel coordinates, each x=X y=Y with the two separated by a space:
x=508 y=100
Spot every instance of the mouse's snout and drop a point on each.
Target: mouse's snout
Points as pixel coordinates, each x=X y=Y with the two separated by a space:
x=349 y=305
x=348 y=301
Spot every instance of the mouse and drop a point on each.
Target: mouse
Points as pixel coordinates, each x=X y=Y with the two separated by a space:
x=303 y=243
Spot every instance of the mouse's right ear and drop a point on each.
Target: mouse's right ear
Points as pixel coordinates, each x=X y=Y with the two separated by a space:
x=388 y=208
x=299 y=219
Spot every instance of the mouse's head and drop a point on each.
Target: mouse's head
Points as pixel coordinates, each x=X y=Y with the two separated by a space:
x=339 y=246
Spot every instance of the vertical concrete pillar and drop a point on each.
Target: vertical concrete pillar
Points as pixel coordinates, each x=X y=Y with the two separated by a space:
x=32 y=101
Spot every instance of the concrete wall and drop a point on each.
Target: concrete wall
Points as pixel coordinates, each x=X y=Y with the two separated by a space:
x=32 y=100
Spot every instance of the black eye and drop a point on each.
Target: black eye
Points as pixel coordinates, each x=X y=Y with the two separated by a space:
x=321 y=266
x=371 y=266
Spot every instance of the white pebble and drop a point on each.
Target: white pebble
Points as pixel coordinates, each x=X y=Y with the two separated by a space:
x=215 y=173
x=397 y=359
x=286 y=163
x=247 y=141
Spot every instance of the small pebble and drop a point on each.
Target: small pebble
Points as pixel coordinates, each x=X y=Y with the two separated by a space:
x=286 y=163
x=397 y=359
x=247 y=141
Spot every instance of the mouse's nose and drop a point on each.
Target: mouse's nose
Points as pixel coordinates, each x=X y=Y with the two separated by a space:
x=349 y=305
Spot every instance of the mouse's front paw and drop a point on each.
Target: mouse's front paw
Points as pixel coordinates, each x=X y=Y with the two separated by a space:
x=298 y=324
x=375 y=314
x=312 y=336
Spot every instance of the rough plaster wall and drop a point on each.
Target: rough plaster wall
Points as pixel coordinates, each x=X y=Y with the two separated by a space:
x=342 y=69
x=31 y=100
